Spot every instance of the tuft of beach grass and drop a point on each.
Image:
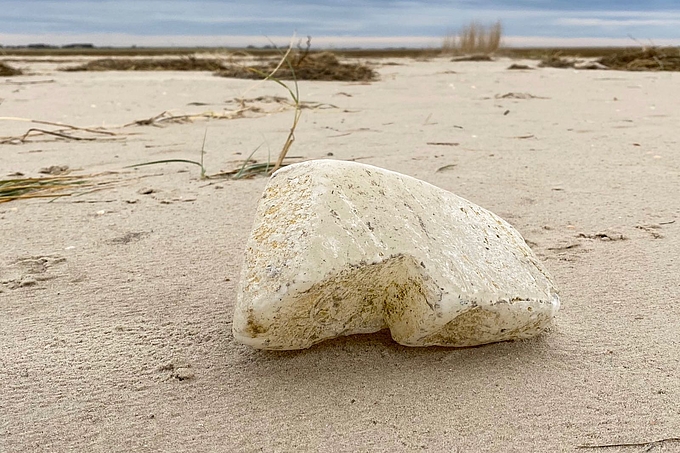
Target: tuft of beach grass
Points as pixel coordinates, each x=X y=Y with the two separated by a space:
x=249 y=167
x=474 y=38
x=47 y=187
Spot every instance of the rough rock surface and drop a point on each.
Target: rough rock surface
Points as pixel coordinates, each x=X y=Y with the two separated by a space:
x=340 y=248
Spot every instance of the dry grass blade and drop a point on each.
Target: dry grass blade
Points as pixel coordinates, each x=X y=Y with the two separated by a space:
x=280 y=100
x=250 y=168
x=295 y=96
x=54 y=123
x=632 y=444
x=167 y=118
x=60 y=133
x=185 y=161
x=54 y=133
x=170 y=161
x=35 y=132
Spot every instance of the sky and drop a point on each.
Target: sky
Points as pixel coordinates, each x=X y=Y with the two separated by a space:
x=335 y=24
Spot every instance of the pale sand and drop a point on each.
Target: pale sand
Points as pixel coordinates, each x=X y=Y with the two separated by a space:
x=124 y=341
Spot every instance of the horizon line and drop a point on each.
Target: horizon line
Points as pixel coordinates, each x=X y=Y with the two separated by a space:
x=322 y=42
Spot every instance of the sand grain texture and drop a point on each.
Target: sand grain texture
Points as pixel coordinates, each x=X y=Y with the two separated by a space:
x=115 y=306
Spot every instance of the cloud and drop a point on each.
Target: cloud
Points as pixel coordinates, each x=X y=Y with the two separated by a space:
x=126 y=40
x=596 y=22
x=183 y=22
x=550 y=41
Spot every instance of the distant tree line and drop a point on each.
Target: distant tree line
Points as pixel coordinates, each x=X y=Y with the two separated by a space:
x=50 y=46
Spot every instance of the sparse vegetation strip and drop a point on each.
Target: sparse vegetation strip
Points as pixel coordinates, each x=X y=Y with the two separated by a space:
x=323 y=66
x=644 y=59
x=189 y=63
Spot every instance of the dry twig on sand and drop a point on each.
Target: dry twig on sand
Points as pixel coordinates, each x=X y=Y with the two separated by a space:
x=518 y=96
x=245 y=106
x=285 y=102
x=65 y=131
x=167 y=118
x=649 y=444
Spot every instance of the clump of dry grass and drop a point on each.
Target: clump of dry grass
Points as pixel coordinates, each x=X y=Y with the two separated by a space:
x=517 y=66
x=556 y=61
x=474 y=38
x=641 y=59
x=49 y=187
x=305 y=65
x=189 y=63
x=644 y=59
x=474 y=57
x=8 y=71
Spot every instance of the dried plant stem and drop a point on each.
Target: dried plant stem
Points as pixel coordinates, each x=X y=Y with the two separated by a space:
x=475 y=38
x=632 y=444
x=53 y=123
x=55 y=133
x=166 y=117
x=289 y=141
x=295 y=95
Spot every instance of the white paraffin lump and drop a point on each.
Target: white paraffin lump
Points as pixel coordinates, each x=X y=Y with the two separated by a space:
x=341 y=248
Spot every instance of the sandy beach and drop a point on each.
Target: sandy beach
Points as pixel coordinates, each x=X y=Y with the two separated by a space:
x=116 y=304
